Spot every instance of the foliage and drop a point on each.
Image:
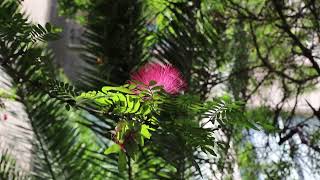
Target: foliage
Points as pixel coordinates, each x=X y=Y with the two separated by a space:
x=59 y=151
x=140 y=114
x=9 y=169
x=143 y=122
x=244 y=47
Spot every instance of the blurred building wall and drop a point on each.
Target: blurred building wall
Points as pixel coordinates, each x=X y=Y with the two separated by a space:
x=64 y=49
x=15 y=129
x=16 y=135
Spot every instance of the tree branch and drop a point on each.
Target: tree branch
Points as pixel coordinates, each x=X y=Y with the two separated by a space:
x=286 y=28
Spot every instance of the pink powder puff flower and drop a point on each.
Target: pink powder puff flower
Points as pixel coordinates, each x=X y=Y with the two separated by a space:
x=164 y=75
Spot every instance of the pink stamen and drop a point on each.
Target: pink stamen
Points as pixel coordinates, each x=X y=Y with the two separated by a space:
x=164 y=75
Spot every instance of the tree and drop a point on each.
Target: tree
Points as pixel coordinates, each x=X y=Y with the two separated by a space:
x=72 y=128
x=268 y=44
x=244 y=47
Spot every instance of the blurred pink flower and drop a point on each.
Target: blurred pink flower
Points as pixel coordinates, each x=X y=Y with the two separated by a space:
x=164 y=75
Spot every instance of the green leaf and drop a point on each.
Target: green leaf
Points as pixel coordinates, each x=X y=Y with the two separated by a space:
x=122 y=161
x=122 y=99
x=103 y=101
x=147 y=111
x=130 y=103
x=122 y=89
x=88 y=95
x=196 y=165
x=145 y=132
x=115 y=98
x=157 y=88
x=67 y=107
x=210 y=151
x=115 y=148
x=48 y=27
x=136 y=107
x=152 y=83
x=267 y=126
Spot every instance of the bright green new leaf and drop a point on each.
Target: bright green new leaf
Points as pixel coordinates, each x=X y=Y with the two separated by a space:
x=130 y=103
x=136 y=107
x=145 y=131
x=115 y=148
